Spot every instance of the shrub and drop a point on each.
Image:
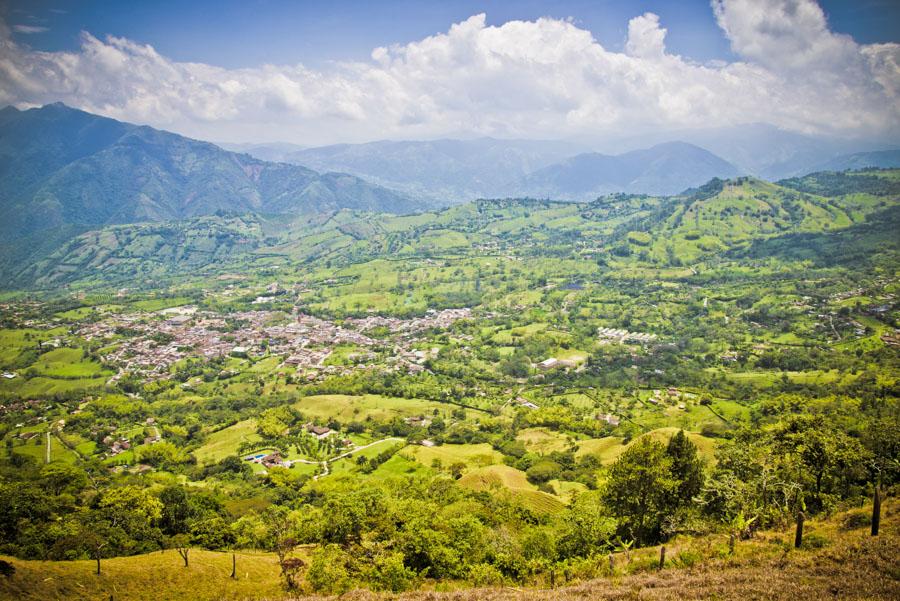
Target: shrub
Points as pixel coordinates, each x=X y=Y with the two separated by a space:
x=388 y=573
x=484 y=574
x=542 y=471
x=328 y=572
x=7 y=569
x=687 y=558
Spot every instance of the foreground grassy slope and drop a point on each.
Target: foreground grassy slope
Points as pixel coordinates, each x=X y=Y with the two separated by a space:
x=839 y=561
x=160 y=575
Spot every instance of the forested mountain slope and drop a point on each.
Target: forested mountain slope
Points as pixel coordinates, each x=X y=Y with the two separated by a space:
x=63 y=171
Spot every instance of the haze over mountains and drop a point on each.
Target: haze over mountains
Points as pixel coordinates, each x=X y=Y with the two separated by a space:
x=447 y=171
x=663 y=169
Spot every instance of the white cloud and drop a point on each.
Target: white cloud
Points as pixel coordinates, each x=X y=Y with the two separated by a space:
x=646 y=39
x=29 y=29
x=543 y=79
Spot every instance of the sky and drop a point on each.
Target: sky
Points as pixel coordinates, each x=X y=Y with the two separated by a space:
x=314 y=72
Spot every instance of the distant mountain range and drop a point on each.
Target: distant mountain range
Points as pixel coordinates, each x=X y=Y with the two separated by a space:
x=64 y=172
x=824 y=218
x=882 y=159
x=445 y=171
x=761 y=149
x=275 y=152
x=661 y=170
x=452 y=171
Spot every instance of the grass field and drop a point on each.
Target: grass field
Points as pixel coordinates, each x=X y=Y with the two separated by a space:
x=42 y=386
x=67 y=363
x=225 y=442
x=472 y=455
x=349 y=408
x=609 y=449
x=144 y=578
x=543 y=440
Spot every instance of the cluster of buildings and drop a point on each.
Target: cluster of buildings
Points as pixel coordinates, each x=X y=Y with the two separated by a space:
x=117 y=445
x=152 y=345
x=670 y=395
x=609 y=418
x=554 y=363
x=432 y=319
x=624 y=336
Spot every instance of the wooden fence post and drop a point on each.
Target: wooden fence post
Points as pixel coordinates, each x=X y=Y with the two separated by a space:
x=233 y=566
x=798 y=537
x=612 y=564
x=876 y=510
x=662 y=557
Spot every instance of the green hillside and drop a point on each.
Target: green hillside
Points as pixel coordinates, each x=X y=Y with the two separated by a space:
x=723 y=220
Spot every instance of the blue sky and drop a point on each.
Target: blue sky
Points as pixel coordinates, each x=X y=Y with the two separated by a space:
x=315 y=72
x=248 y=33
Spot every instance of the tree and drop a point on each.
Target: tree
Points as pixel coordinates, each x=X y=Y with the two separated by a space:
x=60 y=477
x=176 y=510
x=457 y=469
x=687 y=468
x=282 y=530
x=543 y=471
x=640 y=488
x=329 y=570
x=211 y=533
x=181 y=543
x=590 y=526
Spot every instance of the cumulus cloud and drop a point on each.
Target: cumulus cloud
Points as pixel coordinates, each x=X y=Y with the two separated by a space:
x=542 y=79
x=646 y=39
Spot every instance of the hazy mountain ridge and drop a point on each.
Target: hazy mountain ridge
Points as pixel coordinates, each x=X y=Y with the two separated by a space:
x=447 y=171
x=664 y=169
x=882 y=159
x=763 y=150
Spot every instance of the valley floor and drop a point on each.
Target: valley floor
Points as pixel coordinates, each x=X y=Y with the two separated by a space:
x=840 y=560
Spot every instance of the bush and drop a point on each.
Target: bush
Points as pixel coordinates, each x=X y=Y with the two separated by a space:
x=328 y=572
x=687 y=558
x=542 y=471
x=388 y=573
x=484 y=574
